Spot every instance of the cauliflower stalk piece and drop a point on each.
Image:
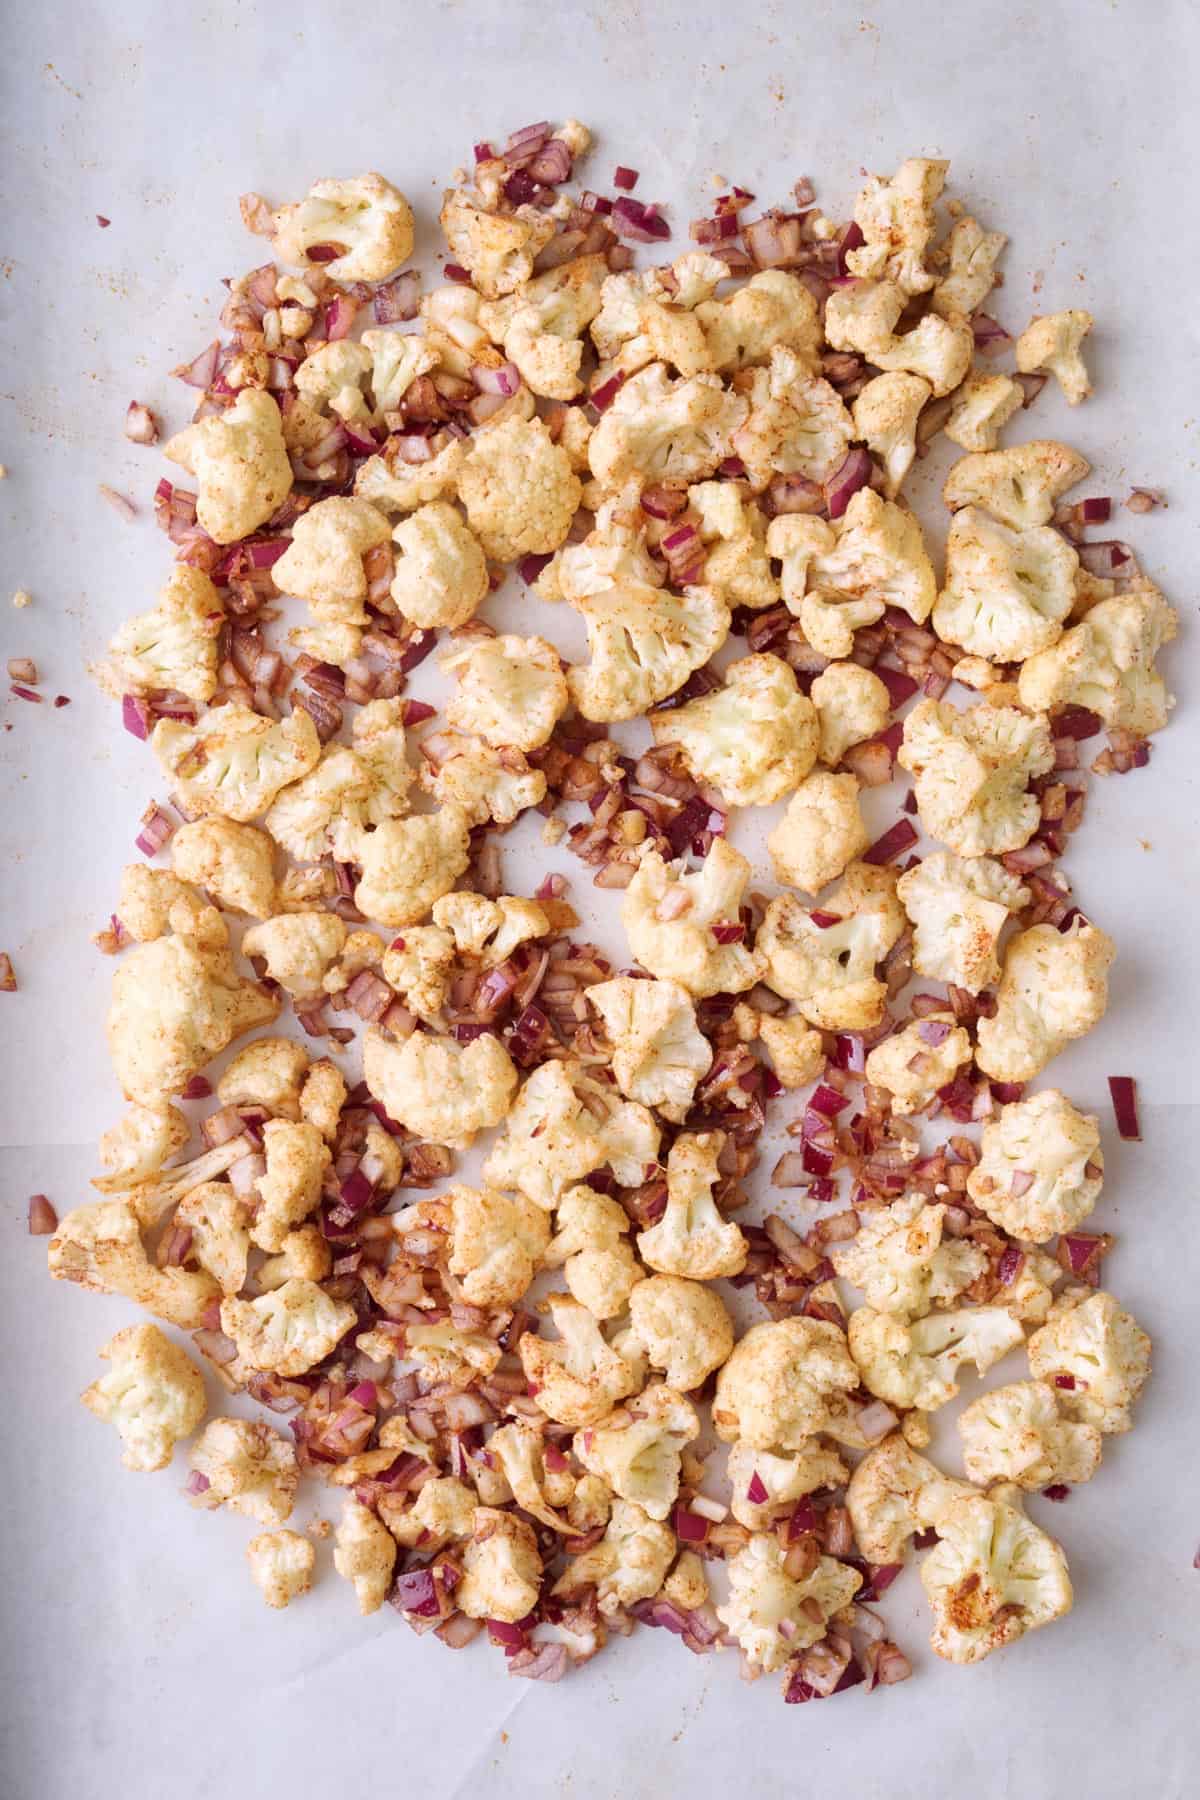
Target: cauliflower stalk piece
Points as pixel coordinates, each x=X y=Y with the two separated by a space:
x=1098 y=1358
x=407 y=864
x=1052 y=342
x=958 y=909
x=1106 y=663
x=770 y=1614
x=1041 y=1168
x=903 y=1262
x=1054 y=988
x=579 y=1377
x=820 y=833
x=281 y=1565
x=366 y=219
x=637 y=1450
x=496 y=1240
x=1016 y=1433
x=885 y=419
x=896 y=219
x=1007 y=593
x=590 y=1246
x=669 y=915
x=777 y=1482
x=172 y=647
x=916 y=1063
x=755 y=738
x=992 y=1576
x=511 y=691
x=692 y=1239
x=135 y=1149
x=519 y=490
x=628 y=1564
x=782 y=1384
x=1019 y=486
x=153 y=1393
x=562 y=1128
x=829 y=969
x=240 y=463
x=438 y=1088
x=659 y=1052
x=441 y=573
x=684 y=1327
x=365 y=1553
x=660 y=430
x=232 y=761
x=797 y=424
x=971 y=771
x=289 y=1329
x=914 y=1365
x=246 y=1466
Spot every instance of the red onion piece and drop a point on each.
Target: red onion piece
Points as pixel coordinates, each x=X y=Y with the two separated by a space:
x=603 y=396
x=895 y=841
x=690 y=1527
x=504 y=381
x=201 y=372
x=398 y=299
x=625 y=179
x=136 y=715
x=756 y=1492
x=1123 y=1090
x=141 y=427
x=156 y=830
x=43 y=1220
x=900 y=687
x=989 y=335
x=640 y=224
x=853 y=473
x=851 y=239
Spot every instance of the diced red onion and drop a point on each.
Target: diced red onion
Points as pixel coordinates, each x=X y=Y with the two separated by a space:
x=201 y=372
x=156 y=830
x=853 y=473
x=895 y=841
x=43 y=1220
x=989 y=335
x=504 y=381
x=141 y=427
x=1123 y=1090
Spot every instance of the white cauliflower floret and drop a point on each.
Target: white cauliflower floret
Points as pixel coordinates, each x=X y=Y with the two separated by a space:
x=773 y=309
x=298 y=948
x=502 y=1571
x=234 y=863
x=269 y=1072
x=651 y=306
x=511 y=691
x=982 y=407
x=777 y=1482
x=579 y=1376
x=754 y=739
x=486 y=783
x=958 y=909
x=971 y=770
x=240 y=463
x=519 y=490
x=628 y=1564
x=490 y=929
x=885 y=419
x=692 y=1238
x=443 y=1510
x=541 y=325
x=136 y=1148
x=152 y=1200
x=687 y=1585
x=829 y=969
x=685 y=1328
x=902 y=1260
x=873 y=558
x=894 y=1493
x=450 y=1356
x=330 y=381
x=365 y=1553
x=1106 y=663
x=326 y=813
x=1029 y=1296
x=637 y=1450
x=100 y=1247
x=669 y=914
x=220 y=1241
x=970 y=255
x=916 y=1063
x=324 y=562
x=1016 y=1433
x=643 y=643
x=407 y=864
x=659 y=1052
x=248 y=1467
x=659 y=430
x=764 y=1598
x=863 y=319
x=496 y=1240
x=590 y=1245
x=441 y=574
x=1054 y=988
x=288 y=1330
x=305 y=1255
x=992 y=1576
x=1019 y=486
x=781 y=1382
x=1098 y=1359
x=322 y=1098
x=795 y=1048
x=174 y=1007
x=153 y=902
x=562 y=1128
x=365 y=218
x=281 y=1565
x=233 y=761
x=1041 y=1167
x=896 y=219
x=1052 y=341
x=519 y=1451
x=914 y=1364
x=852 y=705
x=821 y=832
x=797 y=424
x=438 y=1088
x=174 y=646
x=297 y=1157
x=420 y=966
x=399 y=487
x=1007 y=593
x=496 y=249
x=734 y=534
x=153 y=1393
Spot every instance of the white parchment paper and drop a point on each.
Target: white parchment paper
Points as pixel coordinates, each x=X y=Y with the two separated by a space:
x=136 y=1659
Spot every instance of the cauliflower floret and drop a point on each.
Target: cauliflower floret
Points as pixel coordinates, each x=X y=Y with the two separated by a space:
x=438 y=1088
x=643 y=643
x=669 y=914
x=1106 y=663
x=970 y=770
x=541 y=326
x=443 y=1510
x=449 y=1356
x=1041 y=1168
x=297 y=1158
x=1098 y=1359
x=220 y=1242
x=240 y=463
x=692 y=1238
x=970 y=255
x=497 y=249
x=1020 y=485
x=396 y=486
x=1051 y=341
x=326 y=812
x=485 y=783
x=779 y=1386
x=153 y=1393
x=821 y=832
x=1017 y=1434
x=685 y=1328
x=872 y=559
x=1029 y=1296
x=330 y=381
x=518 y=1449
x=174 y=1007
x=896 y=220
x=579 y=1376
x=519 y=490
x=755 y=738
x=174 y=646
x=100 y=1247
x=365 y=1553
x=915 y=1364
x=902 y=1261
x=764 y=1598
x=773 y=309
x=892 y=1494
x=298 y=949
x=777 y=1482
x=795 y=1048
x=1007 y=593
x=885 y=420
x=407 y=864
x=281 y=1565
x=562 y=1128
x=441 y=575
x=590 y=1247
x=246 y=1466
x=234 y=863
x=232 y=761
x=982 y=407
x=365 y=218
x=660 y=430
x=324 y=562
x=136 y=1148
x=153 y=902
x=642 y=309
x=496 y=1240
x=992 y=1576
x=304 y=1255
x=734 y=534
x=659 y=1052
x=322 y=1098
x=420 y=966
x=288 y=1330
x=628 y=1564
x=916 y=1063
x=502 y=1571
x=829 y=969
x=1054 y=988
x=958 y=909
x=687 y=1585
x=637 y=1450
x=864 y=318
x=490 y=929
x=511 y=690
x=269 y=1072
x=797 y=424
x=852 y=705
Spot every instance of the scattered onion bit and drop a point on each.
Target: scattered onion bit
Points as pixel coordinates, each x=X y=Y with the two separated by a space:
x=895 y=841
x=8 y=979
x=1123 y=1090
x=119 y=502
x=43 y=1220
x=22 y=668
x=625 y=179
x=141 y=426
x=23 y=693
x=102 y=222
x=1144 y=500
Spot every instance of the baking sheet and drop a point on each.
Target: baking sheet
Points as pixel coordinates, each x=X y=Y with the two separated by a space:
x=137 y=1658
